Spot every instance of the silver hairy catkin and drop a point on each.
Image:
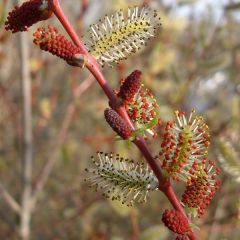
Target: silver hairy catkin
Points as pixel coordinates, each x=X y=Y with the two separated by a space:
x=121 y=179
x=117 y=36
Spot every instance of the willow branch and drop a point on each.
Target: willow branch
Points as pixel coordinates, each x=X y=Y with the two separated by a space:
x=10 y=201
x=94 y=68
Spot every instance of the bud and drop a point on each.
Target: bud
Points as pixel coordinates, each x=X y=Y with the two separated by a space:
x=175 y=221
x=130 y=86
x=117 y=123
x=51 y=41
x=29 y=13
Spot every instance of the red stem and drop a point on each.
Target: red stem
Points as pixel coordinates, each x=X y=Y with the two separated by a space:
x=56 y=8
x=141 y=144
x=92 y=65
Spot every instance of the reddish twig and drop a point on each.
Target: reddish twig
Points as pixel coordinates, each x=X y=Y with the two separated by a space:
x=93 y=67
x=84 y=6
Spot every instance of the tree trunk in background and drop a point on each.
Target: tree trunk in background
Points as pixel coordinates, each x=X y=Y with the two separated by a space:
x=27 y=161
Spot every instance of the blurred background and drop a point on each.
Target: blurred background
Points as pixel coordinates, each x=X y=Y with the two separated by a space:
x=194 y=62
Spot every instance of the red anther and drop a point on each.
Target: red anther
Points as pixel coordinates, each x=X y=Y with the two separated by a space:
x=154 y=104
x=155 y=135
x=206 y=136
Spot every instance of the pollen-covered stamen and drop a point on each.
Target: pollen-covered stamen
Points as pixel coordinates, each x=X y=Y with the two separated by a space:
x=29 y=13
x=184 y=142
x=51 y=41
x=175 y=221
x=122 y=179
x=115 y=37
x=117 y=123
x=130 y=87
x=201 y=187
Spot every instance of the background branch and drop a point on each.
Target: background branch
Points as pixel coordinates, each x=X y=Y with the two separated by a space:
x=94 y=68
x=11 y=202
x=27 y=162
x=60 y=139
